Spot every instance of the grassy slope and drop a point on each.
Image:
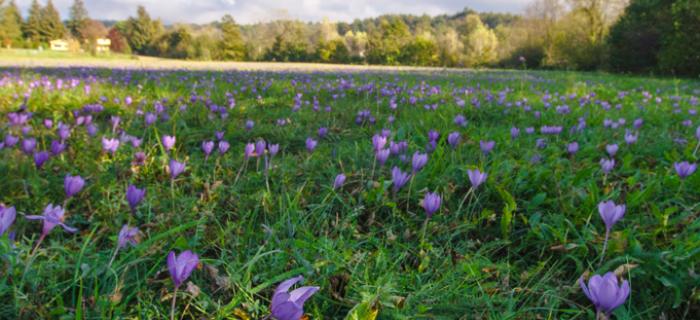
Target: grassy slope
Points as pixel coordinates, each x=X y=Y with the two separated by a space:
x=362 y=243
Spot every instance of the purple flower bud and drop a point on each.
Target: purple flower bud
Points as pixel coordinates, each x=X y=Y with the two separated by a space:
x=28 y=145
x=110 y=145
x=287 y=305
x=273 y=149
x=139 y=158
x=223 y=146
x=378 y=142
x=419 y=161
x=322 y=132
x=514 y=132
x=176 y=168
x=219 y=135
x=572 y=148
x=382 y=156
x=453 y=139
x=249 y=150
x=260 y=146
x=433 y=135
x=607 y=165
x=605 y=292
x=311 y=144
x=630 y=138
x=7 y=217
x=181 y=266
x=476 y=177
x=73 y=185
x=460 y=120
x=57 y=147
x=168 y=142
x=611 y=149
x=610 y=213
x=126 y=236
x=399 y=178
x=684 y=169
x=134 y=196
x=40 y=158
x=10 y=140
x=207 y=147
x=486 y=146
x=431 y=203
x=150 y=118
x=339 y=181
x=249 y=124
x=48 y=123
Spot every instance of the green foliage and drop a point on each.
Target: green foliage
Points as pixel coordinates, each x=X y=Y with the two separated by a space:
x=141 y=31
x=419 y=51
x=231 y=45
x=681 y=50
x=78 y=19
x=10 y=25
x=386 y=43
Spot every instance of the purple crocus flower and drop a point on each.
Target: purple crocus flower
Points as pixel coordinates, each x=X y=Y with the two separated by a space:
x=572 y=148
x=611 y=149
x=460 y=120
x=378 y=141
x=249 y=124
x=339 y=181
x=487 y=146
x=311 y=144
x=419 y=161
x=127 y=235
x=399 y=178
x=287 y=305
x=53 y=216
x=382 y=156
x=57 y=147
x=40 y=158
x=605 y=292
x=630 y=138
x=322 y=132
x=607 y=165
x=249 y=150
x=477 y=177
x=7 y=217
x=433 y=135
x=453 y=139
x=110 y=145
x=684 y=169
x=176 y=168
x=10 y=140
x=181 y=266
x=207 y=147
x=431 y=203
x=139 y=159
x=223 y=146
x=273 y=149
x=28 y=145
x=260 y=146
x=610 y=213
x=514 y=132
x=168 y=142
x=73 y=185
x=134 y=196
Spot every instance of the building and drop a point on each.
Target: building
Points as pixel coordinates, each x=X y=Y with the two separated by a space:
x=102 y=45
x=59 y=45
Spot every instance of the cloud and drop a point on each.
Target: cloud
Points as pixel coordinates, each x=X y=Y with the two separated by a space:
x=251 y=11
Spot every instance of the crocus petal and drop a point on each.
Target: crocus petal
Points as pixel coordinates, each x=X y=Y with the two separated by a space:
x=300 y=295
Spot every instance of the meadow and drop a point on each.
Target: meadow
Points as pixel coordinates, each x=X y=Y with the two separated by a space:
x=395 y=194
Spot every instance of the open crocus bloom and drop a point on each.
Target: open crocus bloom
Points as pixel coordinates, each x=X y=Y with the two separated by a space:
x=605 y=292
x=290 y=305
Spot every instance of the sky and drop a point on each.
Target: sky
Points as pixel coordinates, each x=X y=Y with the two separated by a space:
x=251 y=11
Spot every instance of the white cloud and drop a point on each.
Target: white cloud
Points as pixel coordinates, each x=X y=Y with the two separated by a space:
x=250 y=11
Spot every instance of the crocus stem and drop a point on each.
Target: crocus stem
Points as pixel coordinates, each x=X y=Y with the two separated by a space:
x=238 y=175
x=408 y=197
x=172 y=305
x=114 y=255
x=172 y=194
x=471 y=190
x=605 y=245
x=38 y=243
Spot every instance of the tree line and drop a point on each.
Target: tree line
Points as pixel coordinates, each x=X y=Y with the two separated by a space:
x=640 y=36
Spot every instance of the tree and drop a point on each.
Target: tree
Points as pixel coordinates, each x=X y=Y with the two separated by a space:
x=118 y=42
x=141 y=31
x=10 y=25
x=637 y=38
x=450 y=47
x=421 y=51
x=385 y=43
x=480 y=44
x=78 y=19
x=51 y=25
x=680 y=53
x=32 y=28
x=231 y=45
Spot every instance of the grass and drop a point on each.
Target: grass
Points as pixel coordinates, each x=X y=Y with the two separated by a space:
x=514 y=250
